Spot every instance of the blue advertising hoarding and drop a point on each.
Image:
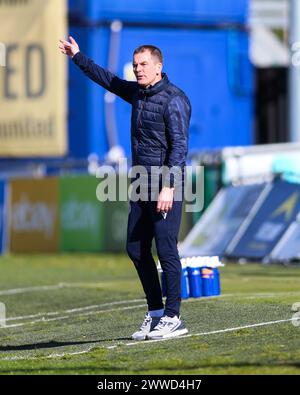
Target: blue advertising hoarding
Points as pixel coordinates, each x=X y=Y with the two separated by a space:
x=288 y=248
x=276 y=213
x=218 y=225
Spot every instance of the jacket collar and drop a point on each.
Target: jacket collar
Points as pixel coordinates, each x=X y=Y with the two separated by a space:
x=159 y=86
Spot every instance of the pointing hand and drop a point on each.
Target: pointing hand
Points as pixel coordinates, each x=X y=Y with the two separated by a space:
x=69 y=48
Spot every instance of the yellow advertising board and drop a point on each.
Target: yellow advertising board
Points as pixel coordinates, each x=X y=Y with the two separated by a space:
x=33 y=78
x=34 y=215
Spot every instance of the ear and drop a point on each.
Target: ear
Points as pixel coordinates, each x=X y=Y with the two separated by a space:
x=159 y=68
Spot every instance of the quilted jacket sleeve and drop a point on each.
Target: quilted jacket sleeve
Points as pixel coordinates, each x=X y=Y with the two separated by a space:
x=177 y=119
x=125 y=89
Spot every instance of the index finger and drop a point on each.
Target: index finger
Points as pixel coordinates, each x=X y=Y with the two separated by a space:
x=72 y=40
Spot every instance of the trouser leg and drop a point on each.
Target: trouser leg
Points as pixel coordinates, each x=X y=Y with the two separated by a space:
x=139 y=241
x=166 y=239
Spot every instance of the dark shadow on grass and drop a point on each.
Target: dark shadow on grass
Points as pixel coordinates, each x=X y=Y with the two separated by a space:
x=55 y=344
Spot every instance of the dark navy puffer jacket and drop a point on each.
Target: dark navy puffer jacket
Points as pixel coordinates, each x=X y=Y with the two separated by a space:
x=160 y=116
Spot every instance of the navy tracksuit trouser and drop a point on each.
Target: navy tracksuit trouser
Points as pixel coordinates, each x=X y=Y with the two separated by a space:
x=144 y=225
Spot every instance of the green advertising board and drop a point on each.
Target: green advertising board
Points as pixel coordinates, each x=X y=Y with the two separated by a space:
x=116 y=219
x=82 y=220
x=116 y=216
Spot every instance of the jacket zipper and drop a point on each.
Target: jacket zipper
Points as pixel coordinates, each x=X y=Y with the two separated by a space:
x=141 y=109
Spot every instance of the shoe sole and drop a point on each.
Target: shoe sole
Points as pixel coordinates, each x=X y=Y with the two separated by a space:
x=180 y=332
x=144 y=337
x=139 y=338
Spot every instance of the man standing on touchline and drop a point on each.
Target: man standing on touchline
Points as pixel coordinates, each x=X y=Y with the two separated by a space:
x=159 y=137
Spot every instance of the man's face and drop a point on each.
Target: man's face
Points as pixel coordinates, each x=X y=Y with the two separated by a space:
x=147 y=69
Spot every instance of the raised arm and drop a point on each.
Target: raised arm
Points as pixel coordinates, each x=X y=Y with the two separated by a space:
x=125 y=89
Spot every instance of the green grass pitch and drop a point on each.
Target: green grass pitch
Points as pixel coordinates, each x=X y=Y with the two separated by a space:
x=74 y=314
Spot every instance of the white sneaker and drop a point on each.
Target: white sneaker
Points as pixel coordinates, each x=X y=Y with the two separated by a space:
x=168 y=327
x=147 y=326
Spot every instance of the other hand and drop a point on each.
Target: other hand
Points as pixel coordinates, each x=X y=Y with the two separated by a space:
x=165 y=200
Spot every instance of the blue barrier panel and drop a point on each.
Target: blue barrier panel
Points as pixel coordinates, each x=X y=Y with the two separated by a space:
x=278 y=210
x=288 y=248
x=219 y=224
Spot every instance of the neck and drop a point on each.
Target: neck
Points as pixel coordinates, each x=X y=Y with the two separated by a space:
x=155 y=81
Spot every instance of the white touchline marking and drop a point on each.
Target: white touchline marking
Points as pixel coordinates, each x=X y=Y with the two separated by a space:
x=75 y=310
x=68 y=316
x=31 y=289
x=69 y=354
x=78 y=309
x=136 y=343
x=63 y=285
x=37 y=288
x=212 y=332
x=50 y=356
